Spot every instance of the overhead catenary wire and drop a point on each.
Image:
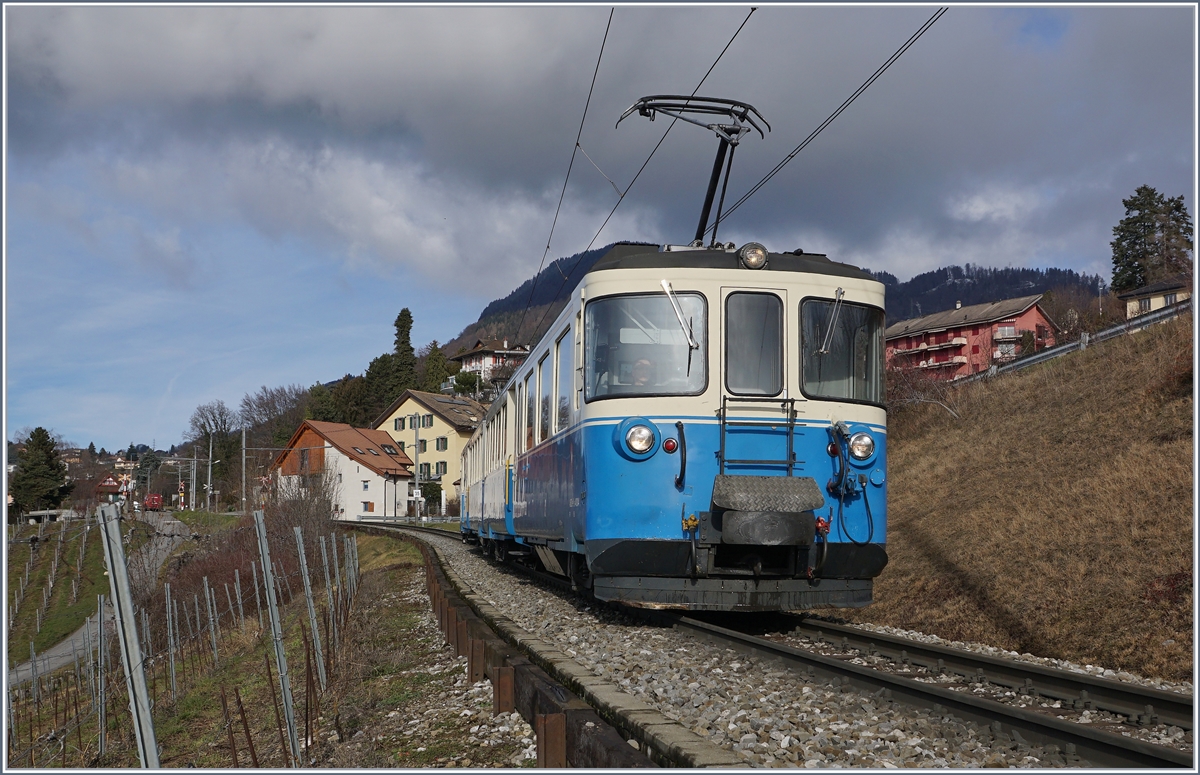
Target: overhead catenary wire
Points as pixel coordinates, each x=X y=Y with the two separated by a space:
x=567 y=178
x=820 y=128
x=638 y=174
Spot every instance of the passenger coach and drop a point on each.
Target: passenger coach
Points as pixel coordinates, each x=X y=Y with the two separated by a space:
x=701 y=428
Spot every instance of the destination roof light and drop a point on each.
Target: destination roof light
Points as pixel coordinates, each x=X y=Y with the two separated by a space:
x=753 y=255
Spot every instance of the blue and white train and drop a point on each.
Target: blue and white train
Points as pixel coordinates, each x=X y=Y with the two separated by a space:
x=700 y=429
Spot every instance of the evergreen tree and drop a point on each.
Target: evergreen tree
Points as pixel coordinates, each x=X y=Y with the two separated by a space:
x=405 y=356
x=91 y=450
x=103 y=453
x=40 y=481
x=131 y=453
x=1152 y=242
x=436 y=369
x=352 y=402
x=320 y=404
x=466 y=383
x=381 y=383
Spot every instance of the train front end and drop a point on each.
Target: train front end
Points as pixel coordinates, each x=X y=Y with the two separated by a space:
x=733 y=440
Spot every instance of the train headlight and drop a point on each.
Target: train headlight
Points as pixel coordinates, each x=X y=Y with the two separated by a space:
x=753 y=255
x=862 y=446
x=640 y=439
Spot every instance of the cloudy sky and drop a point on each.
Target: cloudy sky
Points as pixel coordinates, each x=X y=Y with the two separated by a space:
x=205 y=200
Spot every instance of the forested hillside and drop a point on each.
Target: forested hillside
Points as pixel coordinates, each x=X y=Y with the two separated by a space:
x=940 y=289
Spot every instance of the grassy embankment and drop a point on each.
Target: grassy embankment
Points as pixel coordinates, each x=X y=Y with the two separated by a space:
x=1056 y=516
x=62 y=616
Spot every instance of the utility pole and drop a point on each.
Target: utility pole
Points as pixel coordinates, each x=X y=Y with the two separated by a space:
x=208 y=487
x=416 y=424
x=243 y=472
x=193 y=493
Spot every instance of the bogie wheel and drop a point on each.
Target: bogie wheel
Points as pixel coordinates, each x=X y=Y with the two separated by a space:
x=501 y=552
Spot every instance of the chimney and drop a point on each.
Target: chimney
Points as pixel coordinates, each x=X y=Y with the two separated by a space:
x=958 y=305
x=505 y=344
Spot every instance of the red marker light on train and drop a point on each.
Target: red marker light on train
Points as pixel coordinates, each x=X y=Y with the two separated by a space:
x=670 y=445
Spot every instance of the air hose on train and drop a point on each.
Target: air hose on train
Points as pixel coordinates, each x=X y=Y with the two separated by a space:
x=843 y=483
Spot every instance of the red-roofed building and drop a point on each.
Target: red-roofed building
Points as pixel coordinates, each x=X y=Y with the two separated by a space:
x=363 y=471
x=965 y=340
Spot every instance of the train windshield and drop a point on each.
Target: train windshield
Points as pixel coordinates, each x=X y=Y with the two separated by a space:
x=636 y=345
x=841 y=351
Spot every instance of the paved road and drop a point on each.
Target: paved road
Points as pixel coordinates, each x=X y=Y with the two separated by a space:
x=169 y=533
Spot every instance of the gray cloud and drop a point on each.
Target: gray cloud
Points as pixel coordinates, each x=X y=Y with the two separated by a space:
x=397 y=133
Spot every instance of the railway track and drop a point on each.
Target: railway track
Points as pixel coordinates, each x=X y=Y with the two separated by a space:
x=1005 y=724
x=1138 y=705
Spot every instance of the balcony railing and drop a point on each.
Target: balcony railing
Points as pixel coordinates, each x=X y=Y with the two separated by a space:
x=957 y=341
x=954 y=360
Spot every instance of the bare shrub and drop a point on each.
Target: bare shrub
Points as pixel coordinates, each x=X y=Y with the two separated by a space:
x=910 y=387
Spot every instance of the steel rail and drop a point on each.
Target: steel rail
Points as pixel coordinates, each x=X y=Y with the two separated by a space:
x=1080 y=689
x=1002 y=721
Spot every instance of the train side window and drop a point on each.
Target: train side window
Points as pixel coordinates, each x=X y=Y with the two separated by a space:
x=754 y=344
x=546 y=389
x=565 y=373
x=530 y=409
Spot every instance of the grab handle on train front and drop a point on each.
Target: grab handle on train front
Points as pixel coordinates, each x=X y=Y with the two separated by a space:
x=682 y=456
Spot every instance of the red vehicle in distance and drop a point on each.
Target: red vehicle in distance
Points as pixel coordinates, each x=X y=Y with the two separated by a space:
x=153 y=502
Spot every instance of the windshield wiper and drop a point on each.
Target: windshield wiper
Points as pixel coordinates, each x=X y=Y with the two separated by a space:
x=687 y=328
x=687 y=331
x=833 y=315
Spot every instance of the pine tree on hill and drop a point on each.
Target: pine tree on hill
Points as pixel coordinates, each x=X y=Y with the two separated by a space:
x=381 y=383
x=405 y=356
x=320 y=404
x=436 y=369
x=1152 y=242
x=40 y=481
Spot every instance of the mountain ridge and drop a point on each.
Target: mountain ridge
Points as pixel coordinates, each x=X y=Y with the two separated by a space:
x=923 y=294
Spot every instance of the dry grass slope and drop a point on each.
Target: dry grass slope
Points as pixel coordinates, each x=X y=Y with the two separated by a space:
x=1056 y=516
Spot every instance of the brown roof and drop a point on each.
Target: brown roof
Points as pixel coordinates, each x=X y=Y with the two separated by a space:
x=964 y=316
x=1162 y=286
x=345 y=438
x=461 y=412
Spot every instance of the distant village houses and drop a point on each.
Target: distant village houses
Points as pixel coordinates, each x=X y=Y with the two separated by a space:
x=362 y=471
x=432 y=428
x=966 y=340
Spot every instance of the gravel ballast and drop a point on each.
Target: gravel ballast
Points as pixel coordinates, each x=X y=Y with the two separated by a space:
x=766 y=715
